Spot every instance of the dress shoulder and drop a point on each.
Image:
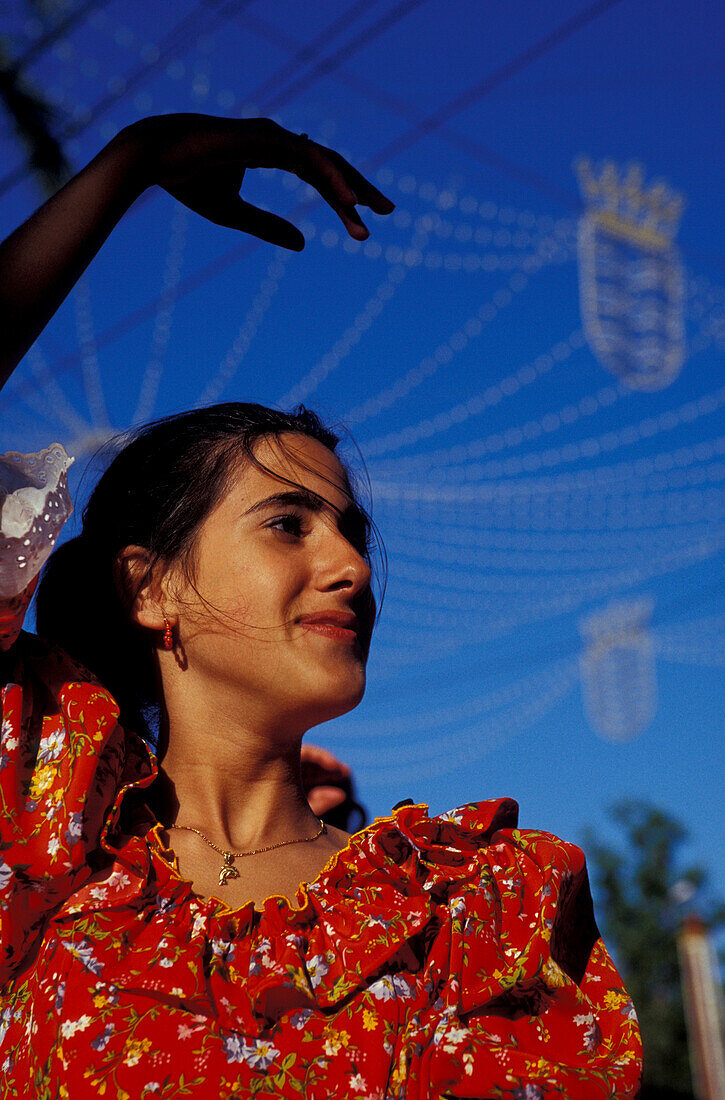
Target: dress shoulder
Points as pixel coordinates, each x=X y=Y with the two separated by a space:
x=65 y=763
x=497 y=923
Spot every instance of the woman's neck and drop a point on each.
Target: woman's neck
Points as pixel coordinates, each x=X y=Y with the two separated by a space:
x=238 y=785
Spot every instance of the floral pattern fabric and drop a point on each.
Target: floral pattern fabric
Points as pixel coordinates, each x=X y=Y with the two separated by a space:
x=450 y=956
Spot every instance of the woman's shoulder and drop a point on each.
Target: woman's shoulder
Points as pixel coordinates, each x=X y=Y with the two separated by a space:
x=461 y=847
x=469 y=825
x=474 y=856
x=476 y=821
x=65 y=765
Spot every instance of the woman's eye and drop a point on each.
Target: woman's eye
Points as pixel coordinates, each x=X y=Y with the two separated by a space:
x=289 y=524
x=357 y=533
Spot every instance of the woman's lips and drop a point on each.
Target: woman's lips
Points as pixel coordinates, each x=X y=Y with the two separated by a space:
x=342 y=633
x=340 y=625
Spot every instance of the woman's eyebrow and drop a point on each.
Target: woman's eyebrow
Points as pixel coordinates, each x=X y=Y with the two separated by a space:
x=296 y=497
x=299 y=498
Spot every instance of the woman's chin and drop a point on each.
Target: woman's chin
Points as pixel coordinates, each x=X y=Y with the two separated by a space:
x=340 y=703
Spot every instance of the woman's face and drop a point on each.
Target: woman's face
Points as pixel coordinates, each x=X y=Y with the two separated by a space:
x=278 y=616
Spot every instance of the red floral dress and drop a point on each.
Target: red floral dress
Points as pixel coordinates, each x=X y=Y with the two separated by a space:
x=449 y=956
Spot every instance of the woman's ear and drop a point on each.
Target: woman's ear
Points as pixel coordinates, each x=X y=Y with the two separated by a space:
x=139 y=581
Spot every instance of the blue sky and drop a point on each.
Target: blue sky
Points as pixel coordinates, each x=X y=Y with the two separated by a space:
x=519 y=484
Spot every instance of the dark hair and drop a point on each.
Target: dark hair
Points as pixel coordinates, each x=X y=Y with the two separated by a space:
x=155 y=493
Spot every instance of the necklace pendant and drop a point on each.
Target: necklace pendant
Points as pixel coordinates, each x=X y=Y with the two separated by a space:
x=228 y=870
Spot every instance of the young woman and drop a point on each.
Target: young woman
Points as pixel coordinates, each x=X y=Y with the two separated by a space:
x=192 y=928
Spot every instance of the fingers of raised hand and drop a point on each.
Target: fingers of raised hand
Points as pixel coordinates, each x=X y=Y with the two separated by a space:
x=324 y=799
x=366 y=192
x=268 y=227
x=341 y=185
x=228 y=209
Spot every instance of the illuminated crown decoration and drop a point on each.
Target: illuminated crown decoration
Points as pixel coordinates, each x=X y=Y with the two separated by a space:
x=617 y=623
x=620 y=204
x=619 y=680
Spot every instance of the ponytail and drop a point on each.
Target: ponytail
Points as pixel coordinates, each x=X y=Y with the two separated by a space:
x=79 y=609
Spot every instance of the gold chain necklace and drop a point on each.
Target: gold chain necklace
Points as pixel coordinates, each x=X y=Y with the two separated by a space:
x=228 y=870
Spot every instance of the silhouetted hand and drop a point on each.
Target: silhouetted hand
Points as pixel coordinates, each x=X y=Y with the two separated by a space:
x=201 y=160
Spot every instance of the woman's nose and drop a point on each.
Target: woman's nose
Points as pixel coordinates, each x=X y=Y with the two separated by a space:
x=344 y=566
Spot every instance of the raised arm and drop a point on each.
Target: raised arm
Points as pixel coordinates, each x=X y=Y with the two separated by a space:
x=201 y=161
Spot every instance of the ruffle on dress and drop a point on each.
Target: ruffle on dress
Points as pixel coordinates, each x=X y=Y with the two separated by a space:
x=463 y=915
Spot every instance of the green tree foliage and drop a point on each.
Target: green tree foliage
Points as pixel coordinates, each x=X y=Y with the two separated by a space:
x=642 y=891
